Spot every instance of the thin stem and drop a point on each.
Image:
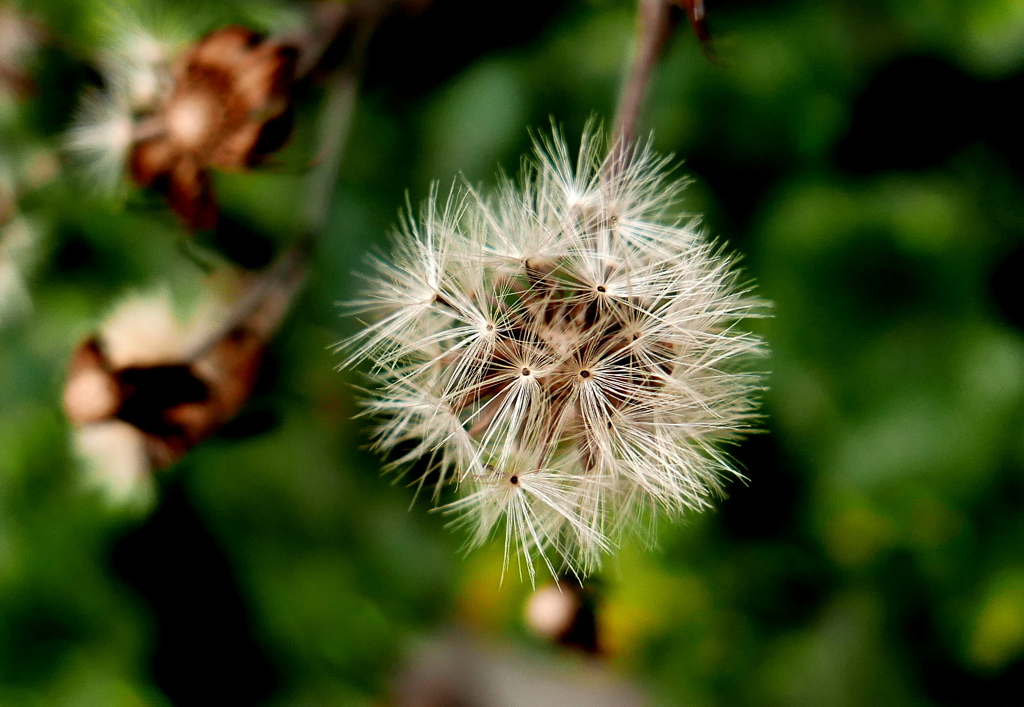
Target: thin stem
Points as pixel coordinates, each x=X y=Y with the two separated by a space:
x=281 y=280
x=326 y=23
x=333 y=130
x=654 y=26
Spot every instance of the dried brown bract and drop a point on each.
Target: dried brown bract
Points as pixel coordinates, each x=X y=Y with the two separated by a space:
x=174 y=405
x=228 y=109
x=146 y=389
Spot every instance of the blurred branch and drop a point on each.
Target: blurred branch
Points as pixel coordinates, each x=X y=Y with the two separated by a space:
x=265 y=302
x=327 y=21
x=333 y=129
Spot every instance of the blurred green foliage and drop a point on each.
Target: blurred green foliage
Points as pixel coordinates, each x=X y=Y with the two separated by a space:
x=867 y=160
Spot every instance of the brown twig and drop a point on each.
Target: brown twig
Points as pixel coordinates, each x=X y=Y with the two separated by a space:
x=334 y=126
x=654 y=27
x=267 y=300
x=327 y=20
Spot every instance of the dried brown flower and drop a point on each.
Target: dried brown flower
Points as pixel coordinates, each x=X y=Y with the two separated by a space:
x=229 y=108
x=146 y=388
x=174 y=405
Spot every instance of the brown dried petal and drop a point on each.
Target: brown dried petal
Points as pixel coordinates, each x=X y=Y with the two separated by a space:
x=237 y=150
x=265 y=79
x=229 y=108
x=152 y=159
x=91 y=393
x=164 y=451
x=189 y=191
x=224 y=50
x=231 y=368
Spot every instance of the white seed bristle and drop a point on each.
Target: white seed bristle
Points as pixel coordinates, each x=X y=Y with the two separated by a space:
x=137 y=50
x=100 y=138
x=565 y=353
x=116 y=462
x=144 y=330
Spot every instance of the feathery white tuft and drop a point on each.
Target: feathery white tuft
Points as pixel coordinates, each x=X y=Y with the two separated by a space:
x=18 y=245
x=101 y=137
x=138 y=44
x=565 y=353
x=116 y=462
x=135 y=62
x=145 y=329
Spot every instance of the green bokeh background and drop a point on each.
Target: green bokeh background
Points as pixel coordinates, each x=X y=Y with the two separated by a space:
x=864 y=157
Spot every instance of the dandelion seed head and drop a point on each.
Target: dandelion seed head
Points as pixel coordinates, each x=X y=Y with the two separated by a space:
x=146 y=387
x=170 y=110
x=564 y=352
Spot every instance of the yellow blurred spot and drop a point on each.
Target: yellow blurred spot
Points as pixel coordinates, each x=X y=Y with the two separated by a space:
x=855 y=534
x=646 y=600
x=998 y=635
x=486 y=602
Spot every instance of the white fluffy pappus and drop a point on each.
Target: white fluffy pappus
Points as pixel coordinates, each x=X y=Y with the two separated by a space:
x=18 y=239
x=142 y=330
x=565 y=352
x=137 y=48
x=100 y=138
x=116 y=462
x=138 y=43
